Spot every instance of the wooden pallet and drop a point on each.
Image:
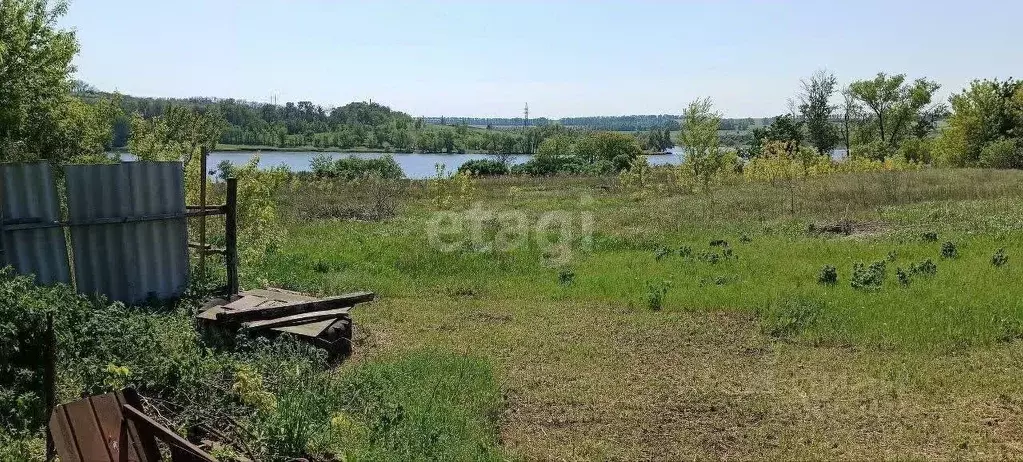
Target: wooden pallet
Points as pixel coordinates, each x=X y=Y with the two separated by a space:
x=325 y=322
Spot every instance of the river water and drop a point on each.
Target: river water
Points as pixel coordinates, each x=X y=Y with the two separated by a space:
x=415 y=166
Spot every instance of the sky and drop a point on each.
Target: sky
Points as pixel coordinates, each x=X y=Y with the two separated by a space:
x=564 y=58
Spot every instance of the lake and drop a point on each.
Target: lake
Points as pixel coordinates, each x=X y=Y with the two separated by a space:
x=415 y=166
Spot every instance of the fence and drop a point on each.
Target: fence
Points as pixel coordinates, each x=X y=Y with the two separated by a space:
x=126 y=224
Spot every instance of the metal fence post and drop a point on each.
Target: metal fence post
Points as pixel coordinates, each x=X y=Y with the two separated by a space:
x=231 y=236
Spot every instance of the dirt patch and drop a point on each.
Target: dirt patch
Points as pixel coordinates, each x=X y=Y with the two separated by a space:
x=845 y=227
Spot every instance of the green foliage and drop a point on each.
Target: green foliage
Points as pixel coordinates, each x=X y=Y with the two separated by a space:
x=613 y=152
x=484 y=167
x=899 y=110
x=1000 y=258
x=868 y=277
x=352 y=168
x=949 y=250
x=39 y=119
x=181 y=133
x=704 y=159
x=815 y=107
x=656 y=291
x=657 y=140
x=1003 y=153
x=924 y=268
x=985 y=126
x=790 y=317
x=929 y=236
x=566 y=276
x=447 y=191
x=828 y=275
x=902 y=276
x=260 y=230
x=785 y=129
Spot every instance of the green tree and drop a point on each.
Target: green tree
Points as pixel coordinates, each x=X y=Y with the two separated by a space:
x=704 y=158
x=985 y=127
x=610 y=151
x=816 y=110
x=39 y=119
x=899 y=109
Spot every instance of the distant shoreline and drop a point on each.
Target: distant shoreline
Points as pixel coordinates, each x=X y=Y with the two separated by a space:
x=359 y=150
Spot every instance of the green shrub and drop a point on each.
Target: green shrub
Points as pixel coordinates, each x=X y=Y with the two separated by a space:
x=483 y=167
x=351 y=167
x=655 y=293
x=902 y=276
x=948 y=250
x=999 y=258
x=566 y=276
x=868 y=277
x=828 y=275
x=924 y=268
x=1003 y=153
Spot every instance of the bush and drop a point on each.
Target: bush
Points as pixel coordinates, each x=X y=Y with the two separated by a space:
x=999 y=258
x=655 y=293
x=483 y=167
x=828 y=275
x=868 y=277
x=351 y=167
x=924 y=268
x=1004 y=153
x=948 y=250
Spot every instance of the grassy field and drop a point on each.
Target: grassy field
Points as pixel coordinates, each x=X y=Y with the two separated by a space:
x=650 y=342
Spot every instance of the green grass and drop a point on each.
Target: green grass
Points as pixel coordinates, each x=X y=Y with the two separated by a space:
x=749 y=357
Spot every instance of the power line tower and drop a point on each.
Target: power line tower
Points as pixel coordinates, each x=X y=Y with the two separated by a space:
x=525 y=118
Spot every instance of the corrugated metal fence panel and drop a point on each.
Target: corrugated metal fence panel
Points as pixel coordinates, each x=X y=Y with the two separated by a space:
x=158 y=188
x=29 y=196
x=131 y=261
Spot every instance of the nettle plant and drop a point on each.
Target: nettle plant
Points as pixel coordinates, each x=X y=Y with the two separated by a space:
x=949 y=250
x=999 y=258
x=656 y=291
x=828 y=275
x=868 y=277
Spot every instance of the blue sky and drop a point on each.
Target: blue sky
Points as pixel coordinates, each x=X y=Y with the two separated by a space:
x=487 y=58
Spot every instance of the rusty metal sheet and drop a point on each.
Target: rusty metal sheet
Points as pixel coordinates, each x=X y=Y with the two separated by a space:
x=130 y=262
x=28 y=197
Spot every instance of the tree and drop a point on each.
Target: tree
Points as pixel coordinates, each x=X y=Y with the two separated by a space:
x=816 y=110
x=899 y=108
x=704 y=159
x=610 y=151
x=38 y=117
x=851 y=111
x=785 y=129
x=985 y=127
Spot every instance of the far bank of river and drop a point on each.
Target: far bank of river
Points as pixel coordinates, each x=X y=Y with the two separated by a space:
x=415 y=166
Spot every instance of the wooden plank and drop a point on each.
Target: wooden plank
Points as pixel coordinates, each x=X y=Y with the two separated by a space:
x=307 y=330
x=302 y=318
x=143 y=441
x=255 y=314
x=245 y=303
x=164 y=433
x=111 y=421
x=282 y=295
x=63 y=437
x=86 y=430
